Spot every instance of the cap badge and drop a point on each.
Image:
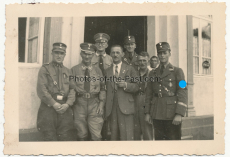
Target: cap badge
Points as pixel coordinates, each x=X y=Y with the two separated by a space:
x=89 y=46
x=129 y=37
x=159 y=43
x=100 y=36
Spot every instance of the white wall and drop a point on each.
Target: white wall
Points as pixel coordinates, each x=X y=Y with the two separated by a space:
x=72 y=34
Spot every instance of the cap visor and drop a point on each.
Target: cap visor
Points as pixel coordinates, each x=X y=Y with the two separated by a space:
x=59 y=50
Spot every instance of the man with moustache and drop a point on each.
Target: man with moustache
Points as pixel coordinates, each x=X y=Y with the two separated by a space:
x=166 y=101
x=90 y=96
x=141 y=126
x=130 y=56
x=120 y=102
x=55 y=116
x=103 y=61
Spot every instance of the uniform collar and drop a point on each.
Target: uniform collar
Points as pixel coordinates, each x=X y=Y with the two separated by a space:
x=99 y=54
x=165 y=66
x=57 y=64
x=145 y=74
x=85 y=67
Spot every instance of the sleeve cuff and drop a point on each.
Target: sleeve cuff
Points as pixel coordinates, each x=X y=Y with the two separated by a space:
x=69 y=102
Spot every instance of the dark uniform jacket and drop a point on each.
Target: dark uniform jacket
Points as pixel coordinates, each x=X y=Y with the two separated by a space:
x=46 y=88
x=125 y=97
x=164 y=98
x=133 y=62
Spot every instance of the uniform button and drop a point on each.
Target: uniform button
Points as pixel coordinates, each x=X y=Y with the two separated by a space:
x=160 y=85
x=169 y=79
x=159 y=89
x=130 y=64
x=175 y=101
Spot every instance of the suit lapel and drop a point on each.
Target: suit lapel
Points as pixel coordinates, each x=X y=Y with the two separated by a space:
x=110 y=74
x=122 y=70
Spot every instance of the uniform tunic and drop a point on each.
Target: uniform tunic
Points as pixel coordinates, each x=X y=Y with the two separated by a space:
x=141 y=126
x=107 y=60
x=55 y=126
x=164 y=99
x=133 y=62
x=85 y=116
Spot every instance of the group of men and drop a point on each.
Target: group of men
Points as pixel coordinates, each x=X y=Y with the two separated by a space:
x=120 y=109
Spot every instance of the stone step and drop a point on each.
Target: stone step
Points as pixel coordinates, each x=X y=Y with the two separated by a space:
x=190 y=137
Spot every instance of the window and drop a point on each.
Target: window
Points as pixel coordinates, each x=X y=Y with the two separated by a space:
x=202 y=45
x=29 y=35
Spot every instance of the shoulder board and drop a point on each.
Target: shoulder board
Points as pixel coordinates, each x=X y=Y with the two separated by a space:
x=171 y=68
x=45 y=64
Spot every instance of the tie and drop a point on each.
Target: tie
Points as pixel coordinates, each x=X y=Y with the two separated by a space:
x=87 y=83
x=162 y=69
x=60 y=78
x=101 y=66
x=130 y=56
x=116 y=74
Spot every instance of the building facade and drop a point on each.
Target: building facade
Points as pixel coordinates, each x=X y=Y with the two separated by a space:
x=190 y=38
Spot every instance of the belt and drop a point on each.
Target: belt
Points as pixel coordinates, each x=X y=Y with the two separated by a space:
x=160 y=95
x=87 y=95
x=59 y=98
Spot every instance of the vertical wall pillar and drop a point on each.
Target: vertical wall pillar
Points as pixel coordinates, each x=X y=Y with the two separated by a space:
x=190 y=83
x=151 y=35
x=78 y=29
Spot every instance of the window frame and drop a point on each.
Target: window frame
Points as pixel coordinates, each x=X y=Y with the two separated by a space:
x=39 y=47
x=200 y=18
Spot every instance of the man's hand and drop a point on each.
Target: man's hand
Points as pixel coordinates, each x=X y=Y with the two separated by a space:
x=148 y=118
x=177 y=119
x=121 y=84
x=100 y=108
x=57 y=106
x=63 y=108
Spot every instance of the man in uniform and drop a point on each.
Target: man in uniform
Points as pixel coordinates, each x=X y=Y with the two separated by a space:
x=90 y=96
x=103 y=61
x=154 y=62
x=141 y=126
x=120 y=102
x=55 y=116
x=166 y=101
x=130 y=56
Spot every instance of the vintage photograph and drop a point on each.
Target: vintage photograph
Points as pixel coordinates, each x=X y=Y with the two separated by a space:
x=56 y=107
x=115 y=79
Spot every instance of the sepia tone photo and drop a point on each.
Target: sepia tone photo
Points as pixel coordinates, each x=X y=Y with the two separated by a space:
x=116 y=78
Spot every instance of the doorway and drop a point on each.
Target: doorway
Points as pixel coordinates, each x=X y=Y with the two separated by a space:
x=117 y=28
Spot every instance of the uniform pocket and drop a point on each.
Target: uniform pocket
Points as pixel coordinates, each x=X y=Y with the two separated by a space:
x=171 y=107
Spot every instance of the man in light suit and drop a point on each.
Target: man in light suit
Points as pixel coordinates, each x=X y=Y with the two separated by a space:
x=120 y=102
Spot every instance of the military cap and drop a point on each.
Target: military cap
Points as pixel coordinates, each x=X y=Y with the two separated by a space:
x=58 y=46
x=101 y=37
x=162 y=46
x=88 y=48
x=129 y=39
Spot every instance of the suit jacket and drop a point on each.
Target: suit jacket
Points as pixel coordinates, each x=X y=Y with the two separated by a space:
x=125 y=95
x=174 y=100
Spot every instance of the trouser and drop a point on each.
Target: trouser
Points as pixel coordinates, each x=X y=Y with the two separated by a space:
x=121 y=125
x=54 y=126
x=86 y=119
x=165 y=130
x=141 y=126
